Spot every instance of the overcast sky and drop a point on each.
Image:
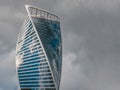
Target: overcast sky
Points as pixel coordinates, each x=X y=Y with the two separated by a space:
x=91 y=42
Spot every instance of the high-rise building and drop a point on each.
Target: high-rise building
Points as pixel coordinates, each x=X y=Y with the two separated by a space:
x=39 y=51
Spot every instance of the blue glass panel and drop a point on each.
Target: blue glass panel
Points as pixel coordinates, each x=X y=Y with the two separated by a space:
x=49 y=33
x=33 y=82
x=32 y=72
x=29 y=79
x=31 y=56
x=35 y=65
x=29 y=85
x=37 y=75
x=38 y=86
x=28 y=69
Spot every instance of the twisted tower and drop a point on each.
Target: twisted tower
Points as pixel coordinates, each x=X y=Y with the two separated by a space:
x=39 y=51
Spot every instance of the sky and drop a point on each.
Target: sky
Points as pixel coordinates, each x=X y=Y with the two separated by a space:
x=91 y=42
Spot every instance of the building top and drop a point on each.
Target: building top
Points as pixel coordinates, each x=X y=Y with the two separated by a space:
x=37 y=12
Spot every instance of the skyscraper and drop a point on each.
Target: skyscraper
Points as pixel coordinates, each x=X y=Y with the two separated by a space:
x=39 y=51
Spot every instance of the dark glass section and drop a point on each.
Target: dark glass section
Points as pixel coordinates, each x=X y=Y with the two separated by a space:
x=49 y=33
x=26 y=89
x=50 y=89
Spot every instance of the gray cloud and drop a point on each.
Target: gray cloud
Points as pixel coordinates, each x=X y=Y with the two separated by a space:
x=91 y=42
x=7 y=67
x=92 y=33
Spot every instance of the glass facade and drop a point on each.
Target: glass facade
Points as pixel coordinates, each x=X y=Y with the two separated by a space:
x=39 y=51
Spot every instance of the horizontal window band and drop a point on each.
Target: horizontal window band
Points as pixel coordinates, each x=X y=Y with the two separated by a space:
x=35 y=82
x=34 y=75
x=26 y=86
x=34 y=71
x=24 y=68
x=34 y=79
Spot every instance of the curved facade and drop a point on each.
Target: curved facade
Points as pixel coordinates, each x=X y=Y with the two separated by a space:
x=39 y=51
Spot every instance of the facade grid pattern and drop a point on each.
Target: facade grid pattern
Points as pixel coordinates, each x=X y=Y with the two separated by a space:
x=39 y=51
